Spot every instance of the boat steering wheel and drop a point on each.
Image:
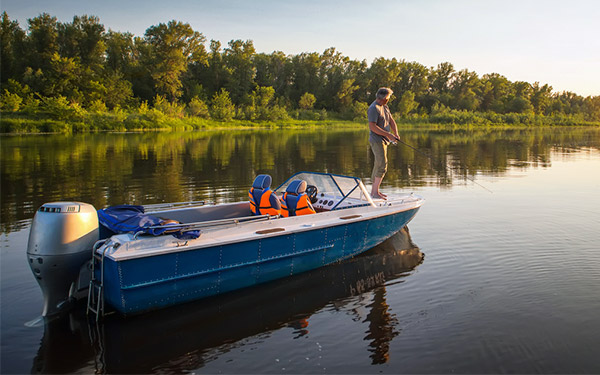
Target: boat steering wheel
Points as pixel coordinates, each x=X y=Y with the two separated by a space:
x=311 y=191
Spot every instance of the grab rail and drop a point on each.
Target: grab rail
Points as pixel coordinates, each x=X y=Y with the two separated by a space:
x=183 y=227
x=162 y=206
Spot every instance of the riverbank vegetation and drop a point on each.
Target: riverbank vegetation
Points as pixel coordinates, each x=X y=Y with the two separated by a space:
x=78 y=77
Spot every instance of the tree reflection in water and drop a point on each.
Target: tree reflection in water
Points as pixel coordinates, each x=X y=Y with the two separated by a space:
x=108 y=169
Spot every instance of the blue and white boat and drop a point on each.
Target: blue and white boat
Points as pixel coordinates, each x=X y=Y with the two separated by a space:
x=136 y=271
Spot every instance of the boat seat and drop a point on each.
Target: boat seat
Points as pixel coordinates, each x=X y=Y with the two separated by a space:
x=295 y=201
x=262 y=199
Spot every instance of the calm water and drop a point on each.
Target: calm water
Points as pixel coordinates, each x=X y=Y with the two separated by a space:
x=502 y=282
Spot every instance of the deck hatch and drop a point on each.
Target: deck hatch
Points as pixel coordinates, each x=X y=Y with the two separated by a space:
x=272 y=230
x=350 y=217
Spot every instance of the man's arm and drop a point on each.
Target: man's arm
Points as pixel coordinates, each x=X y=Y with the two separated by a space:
x=394 y=128
x=377 y=130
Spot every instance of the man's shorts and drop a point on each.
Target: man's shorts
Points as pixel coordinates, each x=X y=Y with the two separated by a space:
x=380 y=152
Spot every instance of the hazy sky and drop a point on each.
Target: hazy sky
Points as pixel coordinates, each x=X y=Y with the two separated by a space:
x=554 y=42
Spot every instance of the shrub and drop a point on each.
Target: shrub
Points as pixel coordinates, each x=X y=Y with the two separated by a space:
x=143 y=108
x=155 y=115
x=61 y=109
x=198 y=108
x=10 y=102
x=222 y=109
x=276 y=113
x=97 y=106
x=357 y=111
x=406 y=104
x=307 y=101
x=171 y=109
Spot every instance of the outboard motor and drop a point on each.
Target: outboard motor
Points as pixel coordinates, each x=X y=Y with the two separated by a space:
x=60 y=245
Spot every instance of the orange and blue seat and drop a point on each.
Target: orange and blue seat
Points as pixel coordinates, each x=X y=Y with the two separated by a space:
x=295 y=201
x=263 y=200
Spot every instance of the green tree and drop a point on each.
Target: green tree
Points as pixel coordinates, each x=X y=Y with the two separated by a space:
x=406 y=104
x=41 y=42
x=440 y=81
x=344 y=96
x=62 y=78
x=273 y=70
x=519 y=102
x=358 y=111
x=592 y=107
x=84 y=39
x=441 y=78
x=382 y=72
x=566 y=102
x=337 y=87
x=171 y=109
x=10 y=102
x=140 y=70
x=174 y=46
x=307 y=101
x=198 y=108
x=240 y=68
x=495 y=90
x=259 y=104
x=78 y=64
x=412 y=77
x=117 y=91
x=120 y=51
x=91 y=45
x=540 y=97
x=464 y=90
x=212 y=75
x=305 y=75
x=12 y=38
x=222 y=109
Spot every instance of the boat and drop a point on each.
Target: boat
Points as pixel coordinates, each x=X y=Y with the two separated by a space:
x=184 y=337
x=198 y=250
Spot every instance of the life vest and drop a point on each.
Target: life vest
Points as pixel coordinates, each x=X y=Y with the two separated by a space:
x=296 y=205
x=265 y=206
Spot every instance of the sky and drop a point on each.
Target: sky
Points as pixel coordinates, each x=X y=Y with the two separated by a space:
x=546 y=41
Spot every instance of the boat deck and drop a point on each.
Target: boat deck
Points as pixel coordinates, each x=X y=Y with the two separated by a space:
x=231 y=223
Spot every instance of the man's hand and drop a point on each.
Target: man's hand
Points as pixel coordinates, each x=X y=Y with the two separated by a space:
x=391 y=138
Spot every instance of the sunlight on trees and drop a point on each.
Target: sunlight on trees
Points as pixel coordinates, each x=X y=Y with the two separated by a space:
x=53 y=69
x=307 y=101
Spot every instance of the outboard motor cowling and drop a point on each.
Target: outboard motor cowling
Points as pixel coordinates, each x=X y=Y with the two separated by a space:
x=60 y=243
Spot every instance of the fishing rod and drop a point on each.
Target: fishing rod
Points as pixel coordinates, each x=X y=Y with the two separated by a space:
x=435 y=161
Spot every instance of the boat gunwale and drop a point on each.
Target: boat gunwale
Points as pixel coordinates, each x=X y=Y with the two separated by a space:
x=300 y=227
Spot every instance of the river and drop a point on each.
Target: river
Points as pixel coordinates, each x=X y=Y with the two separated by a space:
x=497 y=276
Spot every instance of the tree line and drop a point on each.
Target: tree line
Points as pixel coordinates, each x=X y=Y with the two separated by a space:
x=75 y=68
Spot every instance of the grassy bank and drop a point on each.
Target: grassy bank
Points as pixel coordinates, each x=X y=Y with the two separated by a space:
x=82 y=121
x=11 y=124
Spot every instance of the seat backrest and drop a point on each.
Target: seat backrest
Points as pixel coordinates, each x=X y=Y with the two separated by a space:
x=262 y=199
x=294 y=201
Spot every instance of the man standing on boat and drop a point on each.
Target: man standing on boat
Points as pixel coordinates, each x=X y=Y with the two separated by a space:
x=382 y=130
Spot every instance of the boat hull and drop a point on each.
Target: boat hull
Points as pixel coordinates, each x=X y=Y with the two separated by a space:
x=140 y=284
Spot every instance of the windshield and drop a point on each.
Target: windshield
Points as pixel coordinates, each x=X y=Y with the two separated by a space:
x=330 y=184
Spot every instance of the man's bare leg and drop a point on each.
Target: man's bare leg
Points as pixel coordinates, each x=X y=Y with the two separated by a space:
x=375 y=193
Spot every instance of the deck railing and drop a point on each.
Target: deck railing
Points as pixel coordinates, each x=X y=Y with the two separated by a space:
x=184 y=227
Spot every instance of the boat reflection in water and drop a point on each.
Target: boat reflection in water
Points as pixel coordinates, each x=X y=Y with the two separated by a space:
x=180 y=338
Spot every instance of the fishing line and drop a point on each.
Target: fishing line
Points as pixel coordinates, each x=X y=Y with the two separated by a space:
x=436 y=161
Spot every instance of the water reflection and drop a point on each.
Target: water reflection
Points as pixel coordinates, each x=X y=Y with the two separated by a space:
x=382 y=328
x=107 y=169
x=184 y=338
